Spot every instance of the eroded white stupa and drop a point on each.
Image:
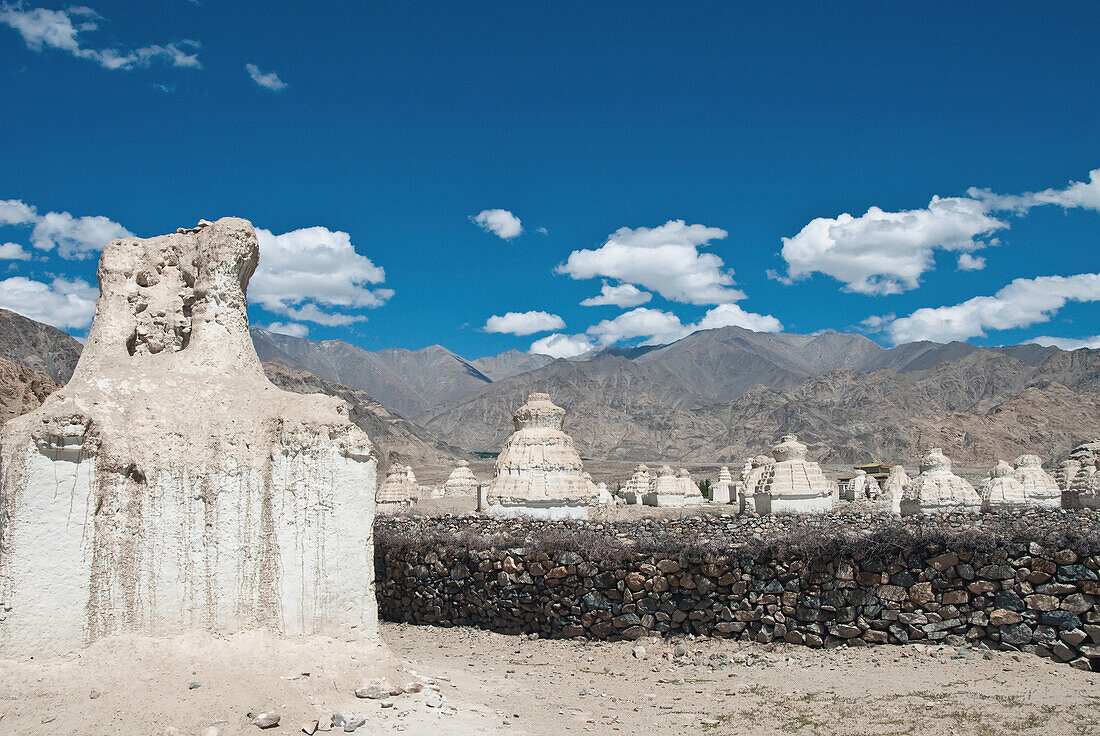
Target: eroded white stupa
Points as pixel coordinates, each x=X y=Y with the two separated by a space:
x=792 y=484
x=937 y=490
x=398 y=489
x=889 y=500
x=1040 y=488
x=1001 y=490
x=1078 y=476
x=539 y=472
x=860 y=487
x=169 y=485
x=638 y=485
x=461 y=481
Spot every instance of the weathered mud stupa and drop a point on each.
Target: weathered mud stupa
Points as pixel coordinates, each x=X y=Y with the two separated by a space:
x=539 y=472
x=791 y=484
x=1078 y=477
x=461 y=481
x=938 y=490
x=170 y=485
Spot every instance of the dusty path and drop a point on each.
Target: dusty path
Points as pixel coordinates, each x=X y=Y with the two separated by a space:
x=492 y=684
x=722 y=687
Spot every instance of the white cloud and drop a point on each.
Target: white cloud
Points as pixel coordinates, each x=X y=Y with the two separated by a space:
x=16 y=212
x=561 y=346
x=294 y=329
x=657 y=326
x=968 y=262
x=887 y=252
x=661 y=328
x=501 y=223
x=61 y=303
x=1022 y=303
x=269 y=80
x=303 y=272
x=13 y=252
x=524 y=323
x=75 y=237
x=1076 y=194
x=542 y=231
x=1066 y=343
x=731 y=315
x=42 y=29
x=664 y=259
x=623 y=296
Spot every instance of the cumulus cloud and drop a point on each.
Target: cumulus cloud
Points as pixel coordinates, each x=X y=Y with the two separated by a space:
x=43 y=29
x=623 y=296
x=13 y=252
x=304 y=274
x=660 y=328
x=664 y=259
x=269 y=80
x=524 y=323
x=294 y=329
x=1022 y=303
x=16 y=212
x=969 y=262
x=1067 y=343
x=62 y=303
x=887 y=252
x=74 y=238
x=1075 y=194
x=501 y=223
x=561 y=346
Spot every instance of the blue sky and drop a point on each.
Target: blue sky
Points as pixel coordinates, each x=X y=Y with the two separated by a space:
x=665 y=149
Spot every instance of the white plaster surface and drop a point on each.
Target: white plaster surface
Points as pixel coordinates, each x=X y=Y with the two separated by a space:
x=170 y=485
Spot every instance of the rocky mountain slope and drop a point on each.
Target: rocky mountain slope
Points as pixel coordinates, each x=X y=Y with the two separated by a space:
x=395 y=438
x=21 y=390
x=717 y=395
x=981 y=405
x=43 y=349
x=410 y=382
x=36 y=344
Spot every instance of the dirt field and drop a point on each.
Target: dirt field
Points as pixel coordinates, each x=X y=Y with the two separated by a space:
x=489 y=683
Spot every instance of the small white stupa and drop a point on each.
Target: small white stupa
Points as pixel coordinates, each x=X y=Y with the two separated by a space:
x=792 y=484
x=638 y=485
x=1040 y=488
x=1001 y=489
x=1078 y=477
x=938 y=490
x=539 y=472
x=889 y=500
x=723 y=490
x=399 y=488
x=461 y=481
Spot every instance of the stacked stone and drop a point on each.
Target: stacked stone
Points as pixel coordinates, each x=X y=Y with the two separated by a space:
x=938 y=490
x=792 y=484
x=1017 y=596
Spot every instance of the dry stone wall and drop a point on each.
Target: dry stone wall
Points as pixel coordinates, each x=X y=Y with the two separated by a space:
x=1025 y=582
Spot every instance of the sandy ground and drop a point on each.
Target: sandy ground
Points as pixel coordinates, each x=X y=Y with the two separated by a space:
x=478 y=682
x=723 y=687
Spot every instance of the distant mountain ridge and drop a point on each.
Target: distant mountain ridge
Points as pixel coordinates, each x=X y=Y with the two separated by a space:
x=716 y=395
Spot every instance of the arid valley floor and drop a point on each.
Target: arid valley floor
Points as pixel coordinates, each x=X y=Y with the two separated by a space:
x=491 y=683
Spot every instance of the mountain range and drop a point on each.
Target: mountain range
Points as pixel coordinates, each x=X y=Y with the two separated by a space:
x=715 y=396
